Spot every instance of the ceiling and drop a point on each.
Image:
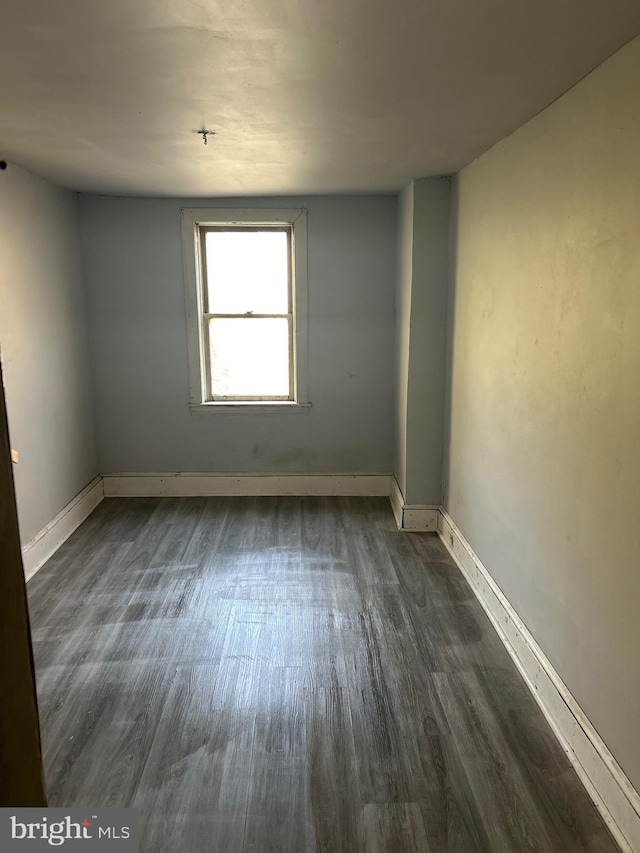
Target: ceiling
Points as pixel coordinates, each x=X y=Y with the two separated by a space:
x=305 y=96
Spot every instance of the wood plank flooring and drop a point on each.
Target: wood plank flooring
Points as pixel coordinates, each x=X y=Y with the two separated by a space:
x=290 y=674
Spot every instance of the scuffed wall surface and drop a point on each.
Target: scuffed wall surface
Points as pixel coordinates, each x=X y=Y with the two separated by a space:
x=543 y=470
x=133 y=255
x=45 y=353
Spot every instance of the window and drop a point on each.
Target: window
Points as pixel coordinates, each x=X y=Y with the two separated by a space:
x=245 y=278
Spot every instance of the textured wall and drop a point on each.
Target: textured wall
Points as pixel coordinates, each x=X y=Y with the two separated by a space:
x=543 y=472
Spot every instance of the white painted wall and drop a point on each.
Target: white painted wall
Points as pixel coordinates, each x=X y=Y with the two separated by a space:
x=44 y=346
x=543 y=472
x=420 y=356
x=133 y=258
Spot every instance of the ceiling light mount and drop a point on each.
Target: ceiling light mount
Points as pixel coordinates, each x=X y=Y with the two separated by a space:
x=205 y=134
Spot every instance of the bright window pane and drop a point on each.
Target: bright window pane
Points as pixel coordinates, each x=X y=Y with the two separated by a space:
x=249 y=358
x=247 y=271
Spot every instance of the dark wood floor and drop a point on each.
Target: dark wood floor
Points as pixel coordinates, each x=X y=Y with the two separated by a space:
x=290 y=674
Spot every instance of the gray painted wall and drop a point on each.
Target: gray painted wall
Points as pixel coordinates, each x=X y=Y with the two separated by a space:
x=428 y=340
x=44 y=347
x=421 y=314
x=544 y=444
x=133 y=258
x=404 y=275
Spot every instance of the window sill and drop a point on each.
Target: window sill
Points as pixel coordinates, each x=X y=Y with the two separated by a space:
x=251 y=408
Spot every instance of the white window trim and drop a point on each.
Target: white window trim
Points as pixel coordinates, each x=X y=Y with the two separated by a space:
x=192 y=219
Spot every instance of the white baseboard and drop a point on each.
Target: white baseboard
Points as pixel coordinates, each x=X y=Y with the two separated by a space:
x=419 y=519
x=613 y=794
x=194 y=485
x=415 y=518
x=397 y=502
x=36 y=552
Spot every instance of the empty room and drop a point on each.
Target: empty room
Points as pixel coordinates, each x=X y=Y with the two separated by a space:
x=320 y=347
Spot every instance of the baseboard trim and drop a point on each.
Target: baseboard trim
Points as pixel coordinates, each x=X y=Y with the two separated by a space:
x=414 y=518
x=202 y=485
x=419 y=519
x=397 y=501
x=613 y=794
x=37 y=551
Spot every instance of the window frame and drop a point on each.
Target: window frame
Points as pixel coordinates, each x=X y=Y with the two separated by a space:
x=195 y=222
x=207 y=314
